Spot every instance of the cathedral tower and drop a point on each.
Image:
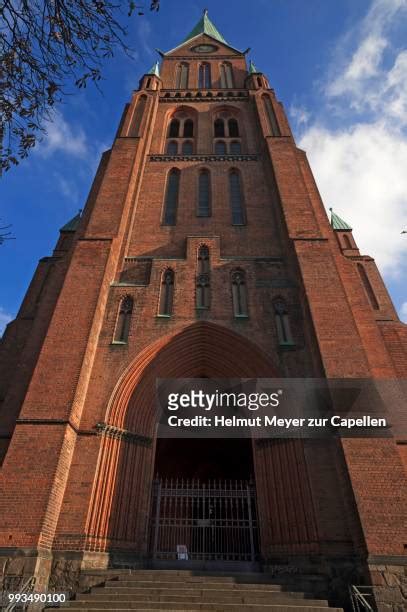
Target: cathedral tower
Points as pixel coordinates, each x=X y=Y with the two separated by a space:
x=204 y=250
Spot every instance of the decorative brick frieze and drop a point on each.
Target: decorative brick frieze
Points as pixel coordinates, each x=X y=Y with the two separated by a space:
x=203 y=158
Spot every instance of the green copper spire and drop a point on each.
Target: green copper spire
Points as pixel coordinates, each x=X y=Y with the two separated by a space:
x=155 y=69
x=205 y=26
x=338 y=223
x=73 y=224
x=252 y=68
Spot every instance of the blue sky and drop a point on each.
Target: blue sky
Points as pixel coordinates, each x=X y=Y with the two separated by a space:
x=339 y=67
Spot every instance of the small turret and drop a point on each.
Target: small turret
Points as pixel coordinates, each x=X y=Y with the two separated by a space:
x=67 y=233
x=256 y=79
x=343 y=233
x=152 y=79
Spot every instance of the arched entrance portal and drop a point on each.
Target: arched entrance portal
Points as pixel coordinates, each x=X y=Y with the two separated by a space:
x=122 y=508
x=204 y=503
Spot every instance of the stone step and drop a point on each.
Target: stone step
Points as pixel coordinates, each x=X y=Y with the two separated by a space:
x=210 y=597
x=192 y=580
x=175 y=590
x=187 y=589
x=219 y=607
x=180 y=575
x=190 y=584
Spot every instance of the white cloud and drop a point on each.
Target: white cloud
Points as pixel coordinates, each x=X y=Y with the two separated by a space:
x=5 y=318
x=300 y=115
x=361 y=173
x=60 y=136
x=403 y=312
x=361 y=167
x=364 y=80
x=68 y=188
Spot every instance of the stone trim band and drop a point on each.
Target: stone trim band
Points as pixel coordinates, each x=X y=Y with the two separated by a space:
x=122 y=434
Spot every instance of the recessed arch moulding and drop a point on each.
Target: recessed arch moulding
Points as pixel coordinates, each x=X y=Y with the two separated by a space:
x=118 y=516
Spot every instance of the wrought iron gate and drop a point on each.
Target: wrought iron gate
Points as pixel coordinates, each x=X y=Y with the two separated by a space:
x=215 y=520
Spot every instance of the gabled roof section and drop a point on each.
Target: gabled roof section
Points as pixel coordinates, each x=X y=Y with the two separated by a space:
x=337 y=223
x=205 y=26
x=155 y=70
x=73 y=224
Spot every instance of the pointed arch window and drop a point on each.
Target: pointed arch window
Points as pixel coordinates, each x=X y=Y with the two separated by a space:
x=174 y=129
x=235 y=147
x=368 y=287
x=123 y=320
x=204 y=194
x=271 y=116
x=171 y=198
x=219 y=126
x=282 y=322
x=135 y=128
x=172 y=148
x=187 y=148
x=203 y=286
x=182 y=76
x=233 y=128
x=347 y=242
x=204 y=80
x=239 y=294
x=188 y=128
x=166 y=293
x=226 y=76
x=236 y=198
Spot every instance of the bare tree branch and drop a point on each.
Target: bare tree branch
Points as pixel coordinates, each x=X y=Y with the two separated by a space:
x=44 y=46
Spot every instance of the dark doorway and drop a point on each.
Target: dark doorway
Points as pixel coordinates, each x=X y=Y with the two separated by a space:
x=203 y=505
x=204 y=458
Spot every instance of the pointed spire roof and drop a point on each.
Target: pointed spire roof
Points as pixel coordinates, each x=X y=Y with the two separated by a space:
x=205 y=26
x=73 y=224
x=337 y=223
x=155 y=69
x=252 y=68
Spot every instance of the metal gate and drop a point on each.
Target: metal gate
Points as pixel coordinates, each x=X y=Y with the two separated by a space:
x=210 y=521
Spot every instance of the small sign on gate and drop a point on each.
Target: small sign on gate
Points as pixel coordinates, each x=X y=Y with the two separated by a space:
x=182 y=552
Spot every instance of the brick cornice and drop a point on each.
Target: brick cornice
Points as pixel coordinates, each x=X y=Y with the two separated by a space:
x=203 y=158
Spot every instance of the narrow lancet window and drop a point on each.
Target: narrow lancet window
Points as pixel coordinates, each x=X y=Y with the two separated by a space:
x=204 y=194
x=271 y=116
x=188 y=128
x=136 y=123
x=174 y=129
x=220 y=147
x=182 y=76
x=203 y=286
x=172 y=148
x=187 y=148
x=123 y=320
x=368 y=287
x=219 y=128
x=236 y=198
x=233 y=128
x=166 y=293
x=171 y=198
x=235 y=147
x=239 y=294
x=282 y=322
x=204 y=80
x=347 y=242
x=226 y=76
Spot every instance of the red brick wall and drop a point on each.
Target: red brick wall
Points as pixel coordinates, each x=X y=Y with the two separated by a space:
x=75 y=374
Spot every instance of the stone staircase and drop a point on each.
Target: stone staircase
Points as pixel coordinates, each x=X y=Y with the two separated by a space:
x=189 y=590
